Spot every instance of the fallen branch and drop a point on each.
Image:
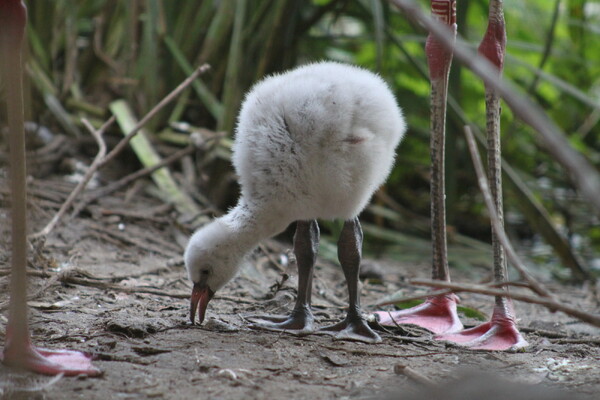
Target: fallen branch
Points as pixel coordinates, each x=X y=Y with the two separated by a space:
x=114 y=186
x=103 y=283
x=590 y=341
x=170 y=97
x=146 y=242
x=442 y=292
x=141 y=145
x=147 y=215
x=386 y=354
x=97 y=134
x=592 y=319
x=69 y=278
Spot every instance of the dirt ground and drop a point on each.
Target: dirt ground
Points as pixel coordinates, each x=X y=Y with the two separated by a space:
x=111 y=282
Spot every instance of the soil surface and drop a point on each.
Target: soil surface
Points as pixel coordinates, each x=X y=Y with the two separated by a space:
x=111 y=282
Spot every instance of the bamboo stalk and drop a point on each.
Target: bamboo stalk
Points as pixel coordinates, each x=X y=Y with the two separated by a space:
x=148 y=157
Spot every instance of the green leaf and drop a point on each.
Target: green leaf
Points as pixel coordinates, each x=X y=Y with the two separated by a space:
x=408 y=304
x=472 y=313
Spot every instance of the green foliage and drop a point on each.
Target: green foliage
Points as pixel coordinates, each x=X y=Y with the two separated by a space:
x=470 y=312
x=85 y=54
x=408 y=304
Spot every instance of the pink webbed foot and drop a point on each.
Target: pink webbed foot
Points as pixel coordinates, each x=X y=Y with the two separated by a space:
x=49 y=362
x=437 y=314
x=500 y=334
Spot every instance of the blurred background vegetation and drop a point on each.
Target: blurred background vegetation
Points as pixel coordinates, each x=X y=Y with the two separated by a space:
x=83 y=55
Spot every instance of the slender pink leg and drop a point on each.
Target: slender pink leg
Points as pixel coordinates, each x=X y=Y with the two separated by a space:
x=501 y=333
x=18 y=350
x=437 y=314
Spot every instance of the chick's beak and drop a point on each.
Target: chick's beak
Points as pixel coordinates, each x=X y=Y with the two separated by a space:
x=201 y=295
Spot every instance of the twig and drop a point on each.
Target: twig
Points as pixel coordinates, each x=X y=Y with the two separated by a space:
x=382 y=354
x=413 y=374
x=151 y=215
x=272 y=259
x=114 y=186
x=496 y=223
x=544 y=333
x=166 y=248
x=88 y=175
x=48 y=283
x=592 y=319
x=72 y=271
x=443 y=292
x=585 y=177
x=590 y=341
x=69 y=278
x=411 y=298
x=103 y=283
x=168 y=189
x=170 y=97
x=103 y=159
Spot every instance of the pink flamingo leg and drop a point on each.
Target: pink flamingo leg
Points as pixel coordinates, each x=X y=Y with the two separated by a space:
x=18 y=350
x=501 y=333
x=437 y=314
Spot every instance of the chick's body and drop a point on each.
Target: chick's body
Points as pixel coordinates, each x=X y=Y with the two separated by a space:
x=316 y=142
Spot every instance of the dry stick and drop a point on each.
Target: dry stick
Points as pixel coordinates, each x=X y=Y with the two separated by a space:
x=166 y=248
x=114 y=186
x=593 y=319
x=118 y=148
x=66 y=278
x=412 y=298
x=446 y=291
x=86 y=178
x=585 y=177
x=413 y=374
x=272 y=259
x=388 y=354
x=38 y=293
x=101 y=283
x=143 y=172
x=170 y=97
x=496 y=223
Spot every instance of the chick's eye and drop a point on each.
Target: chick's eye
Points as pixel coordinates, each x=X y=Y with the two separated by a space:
x=204 y=272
